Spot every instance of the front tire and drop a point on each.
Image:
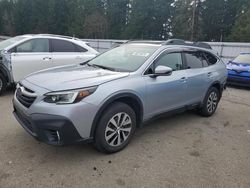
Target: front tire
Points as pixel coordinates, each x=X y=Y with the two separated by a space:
x=115 y=128
x=210 y=102
x=3 y=84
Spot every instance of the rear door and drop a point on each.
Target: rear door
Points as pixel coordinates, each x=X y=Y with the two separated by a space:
x=30 y=56
x=65 y=52
x=197 y=75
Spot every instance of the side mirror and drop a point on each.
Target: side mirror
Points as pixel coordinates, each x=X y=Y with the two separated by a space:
x=162 y=71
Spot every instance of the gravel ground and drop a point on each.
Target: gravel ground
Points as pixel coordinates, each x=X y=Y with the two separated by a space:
x=184 y=150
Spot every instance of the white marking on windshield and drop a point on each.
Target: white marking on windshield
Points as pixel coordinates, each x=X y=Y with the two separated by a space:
x=142 y=54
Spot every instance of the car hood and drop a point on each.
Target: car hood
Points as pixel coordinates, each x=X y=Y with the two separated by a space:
x=73 y=77
x=242 y=67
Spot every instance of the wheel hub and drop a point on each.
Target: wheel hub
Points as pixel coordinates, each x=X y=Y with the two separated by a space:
x=1 y=84
x=118 y=129
x=212 y=102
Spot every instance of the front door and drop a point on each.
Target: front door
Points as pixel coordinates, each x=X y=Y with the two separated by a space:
x=29 y=57
x=165 y=93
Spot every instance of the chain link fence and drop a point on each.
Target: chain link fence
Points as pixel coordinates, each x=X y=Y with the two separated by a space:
x=226 y=50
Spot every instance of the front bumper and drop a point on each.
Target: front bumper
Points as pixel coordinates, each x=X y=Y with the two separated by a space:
x=51 y=129
x=71 y=123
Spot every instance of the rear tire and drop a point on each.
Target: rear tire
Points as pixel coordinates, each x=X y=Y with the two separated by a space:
x=115 y=128
x=210 y=102
x=3 y=84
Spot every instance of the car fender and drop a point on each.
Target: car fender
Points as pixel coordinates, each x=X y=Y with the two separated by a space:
x=5 y=66
x=110 y=100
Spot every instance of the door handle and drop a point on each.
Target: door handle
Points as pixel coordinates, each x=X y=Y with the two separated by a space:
x=183 y=79
x=209 y=74
x=47 y=58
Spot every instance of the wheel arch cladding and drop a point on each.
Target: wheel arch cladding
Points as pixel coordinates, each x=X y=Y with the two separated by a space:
x=3 y=72
x=218 y=86
x=128 y=98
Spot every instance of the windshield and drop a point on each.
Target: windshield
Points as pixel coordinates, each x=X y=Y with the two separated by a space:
x=243 y=58
x=127 y=57
x=8 y=42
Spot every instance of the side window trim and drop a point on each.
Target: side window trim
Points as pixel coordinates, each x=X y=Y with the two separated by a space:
x=167 y=51
x=14 y=49
x=203 y=54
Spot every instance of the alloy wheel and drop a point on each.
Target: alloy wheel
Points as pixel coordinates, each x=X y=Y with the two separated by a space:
x=118 y=129
x=212 y=102
x=1 y=84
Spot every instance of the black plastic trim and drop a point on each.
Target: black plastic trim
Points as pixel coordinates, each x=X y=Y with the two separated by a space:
x=4 y=71
x=238 y=82
x=39 y=125
x=108 y=102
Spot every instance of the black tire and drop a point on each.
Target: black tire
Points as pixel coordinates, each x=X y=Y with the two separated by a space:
x=210 y=102
x=105 y=128
x=3 y=84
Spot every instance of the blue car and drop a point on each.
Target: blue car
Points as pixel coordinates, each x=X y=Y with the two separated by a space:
x=239 y=70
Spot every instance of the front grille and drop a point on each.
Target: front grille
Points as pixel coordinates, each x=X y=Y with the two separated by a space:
x=24 y=98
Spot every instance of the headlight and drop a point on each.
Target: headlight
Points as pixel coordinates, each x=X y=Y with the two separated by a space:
x=68 y=97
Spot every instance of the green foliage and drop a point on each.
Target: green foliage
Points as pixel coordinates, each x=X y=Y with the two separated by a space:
x=148 y=19
x=219 y=17
x=210 y=20
x=182 y=19
x=6 y=17
x=241 y=29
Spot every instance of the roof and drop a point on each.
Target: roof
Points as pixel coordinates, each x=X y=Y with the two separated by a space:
x=51 y=35
x=175 y=42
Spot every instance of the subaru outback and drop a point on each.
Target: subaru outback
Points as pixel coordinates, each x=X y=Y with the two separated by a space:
x=104 y=100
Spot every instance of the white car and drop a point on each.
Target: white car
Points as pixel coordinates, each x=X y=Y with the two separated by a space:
x=23 y=55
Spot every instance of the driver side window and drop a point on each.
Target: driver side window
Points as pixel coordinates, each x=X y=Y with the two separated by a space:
x=33 y=46
x=172 y=60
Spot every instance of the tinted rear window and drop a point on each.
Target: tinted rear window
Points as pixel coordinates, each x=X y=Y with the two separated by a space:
x=80 y=49
x=211 y=59
x=63 y=46
x=195 y=60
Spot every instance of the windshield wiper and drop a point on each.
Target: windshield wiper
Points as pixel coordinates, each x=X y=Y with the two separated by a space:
x=85 y=62
x=102 y=67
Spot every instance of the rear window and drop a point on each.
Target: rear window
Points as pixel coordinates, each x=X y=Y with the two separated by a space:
x=80 y=49
x=243 y=58
x=211 y=59
x=195 y=60
x=63 y=46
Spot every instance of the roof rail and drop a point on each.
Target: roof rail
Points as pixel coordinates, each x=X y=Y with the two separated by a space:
x=187 y=43
x=62 y=36
x=144 y=41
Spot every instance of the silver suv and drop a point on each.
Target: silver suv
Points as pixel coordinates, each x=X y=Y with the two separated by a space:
x=105 y=99
x=22 y=55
